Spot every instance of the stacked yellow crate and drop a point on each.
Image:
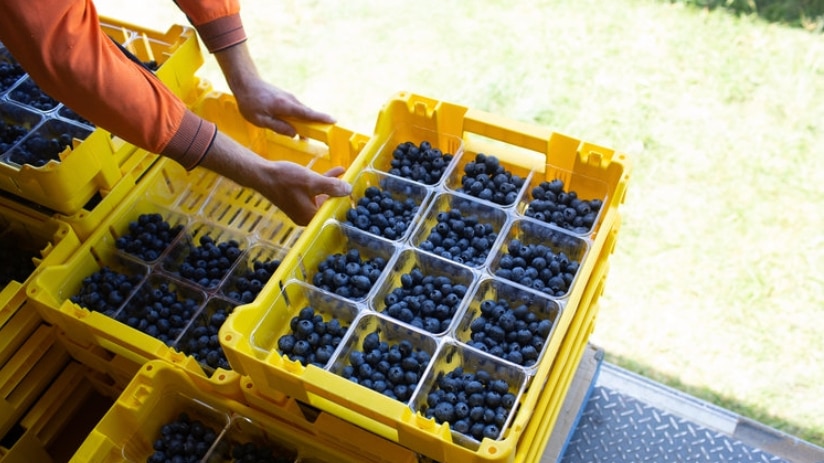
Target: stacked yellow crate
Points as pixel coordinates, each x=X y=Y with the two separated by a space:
x=251 y=335
x=37 y=375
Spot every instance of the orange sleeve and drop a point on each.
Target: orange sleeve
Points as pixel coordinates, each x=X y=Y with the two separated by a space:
x=63 y=48
x=217 y=22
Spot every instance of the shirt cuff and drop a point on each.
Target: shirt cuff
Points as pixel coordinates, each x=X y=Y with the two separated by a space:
x=192 y=140
x=222 y=33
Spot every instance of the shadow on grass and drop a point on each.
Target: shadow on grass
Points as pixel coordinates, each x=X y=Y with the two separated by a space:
x=807 y=14
x=813 y=436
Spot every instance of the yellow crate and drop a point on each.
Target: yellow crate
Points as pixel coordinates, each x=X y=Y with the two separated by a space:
x=17 y=326
x=202 y=202
x=176 y=52
x=95 y=163
x=548 y=407
x=160 y=392
x=527 y=151
x=28 y=373
x=116 y=370
x=47 y=240
x=55 y=426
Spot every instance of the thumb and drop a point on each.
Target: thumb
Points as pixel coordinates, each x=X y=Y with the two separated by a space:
x=332 y=186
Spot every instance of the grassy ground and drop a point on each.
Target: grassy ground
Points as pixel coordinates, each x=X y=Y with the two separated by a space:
x=717 y=282
x=808 y=14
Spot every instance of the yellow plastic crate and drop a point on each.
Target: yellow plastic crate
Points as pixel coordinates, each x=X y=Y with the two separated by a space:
x=28 y=373
x=161 y=391
x=202 y=202
x=548 y=407
x=47 y=240
x=536 y=154
x=97 y=161
x=58 y=422
x=43 y=241
x=17 y=326
x=115 y=371
x=176 y=51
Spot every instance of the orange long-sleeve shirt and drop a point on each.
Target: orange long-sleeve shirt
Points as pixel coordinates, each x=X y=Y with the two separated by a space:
x=62 y=47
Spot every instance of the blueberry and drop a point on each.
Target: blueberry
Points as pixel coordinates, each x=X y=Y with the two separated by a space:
x=491 y=431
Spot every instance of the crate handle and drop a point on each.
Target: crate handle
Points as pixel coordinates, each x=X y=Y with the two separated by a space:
x=334 y=136
x=541 y=141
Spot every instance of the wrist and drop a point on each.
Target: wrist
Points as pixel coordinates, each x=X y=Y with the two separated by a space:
x=238 y=68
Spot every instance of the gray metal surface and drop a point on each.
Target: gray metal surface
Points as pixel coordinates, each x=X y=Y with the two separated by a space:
x=629 y=418
x=615 y=427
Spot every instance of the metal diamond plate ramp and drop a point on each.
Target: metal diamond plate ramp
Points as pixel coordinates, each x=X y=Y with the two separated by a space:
x=615 y=427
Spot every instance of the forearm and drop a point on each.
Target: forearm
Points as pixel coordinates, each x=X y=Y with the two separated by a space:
x=239 y=68
x=294 y=189
x=235 y=162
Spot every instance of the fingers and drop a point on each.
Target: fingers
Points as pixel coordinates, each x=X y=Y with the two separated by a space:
x=332 y=186
x=301 y=111
x=278 y=125
x=329 y=185
x=335 y=171
x=317 y=116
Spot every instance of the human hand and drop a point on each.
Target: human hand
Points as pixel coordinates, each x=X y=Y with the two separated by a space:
x=268 y=106
x=299 y=191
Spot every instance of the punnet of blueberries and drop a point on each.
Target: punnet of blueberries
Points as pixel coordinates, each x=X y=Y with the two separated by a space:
x=159 y=309
x=10 y=70
x=537 y=266
x=428 y=302
x=10 y=133
x=245 y=285
x=475 y=404
x=15 y=123
x=201 y=339
x=208 y=262
x=422 y=163
x=460 y=237
x=30 y=94
x=47 y=142
x=510 y=331
x=552 y=204
x=349 y=274
x=105 y=290
x=183 y=440
x=380 y=213
x=312 y=339
x=393 y=369
x=485 y=178
x=148 y=236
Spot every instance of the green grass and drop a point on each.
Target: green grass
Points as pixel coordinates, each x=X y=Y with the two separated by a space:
x=717 y=282
x=808 y=14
